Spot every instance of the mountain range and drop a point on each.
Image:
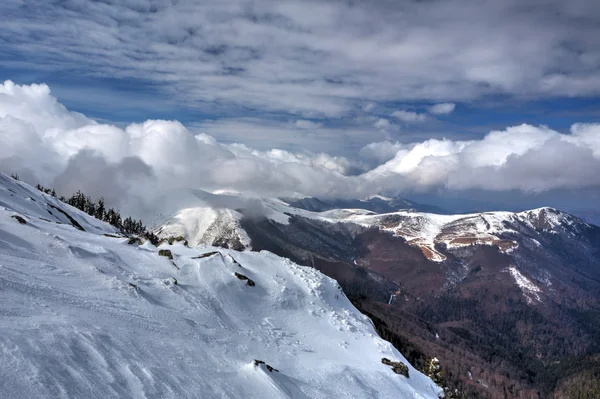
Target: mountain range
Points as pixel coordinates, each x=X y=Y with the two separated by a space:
x=507 y=301
x=499 y=304
x=89 y=312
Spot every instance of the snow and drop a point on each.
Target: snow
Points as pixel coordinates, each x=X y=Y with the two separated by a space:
x=213 y=217
x=378 y=196
x=21 y=198
x=87 y=315
x=425 y=230
x=201 y=217
x=418 y=229
x=550 y=217
x=335 y=215
x=530 y=290
x=205 y=224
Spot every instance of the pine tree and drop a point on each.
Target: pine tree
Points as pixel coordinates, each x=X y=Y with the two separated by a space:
x=89 y=206
x=98 y=210
x=99 y=214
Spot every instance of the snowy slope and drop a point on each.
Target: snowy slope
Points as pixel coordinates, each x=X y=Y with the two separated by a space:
x=426 y=230
x=22 y=199
x=206 y=225
x=73 y=325
x=214 y=218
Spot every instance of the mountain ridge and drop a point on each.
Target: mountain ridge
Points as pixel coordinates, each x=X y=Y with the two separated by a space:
x=89 y=312
x=461 y=276
x=505 y=300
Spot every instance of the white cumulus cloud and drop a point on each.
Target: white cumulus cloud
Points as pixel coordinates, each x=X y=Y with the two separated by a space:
x=136 y=165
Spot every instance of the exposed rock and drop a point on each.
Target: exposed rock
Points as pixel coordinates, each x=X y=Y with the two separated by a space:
x=133 y=286
x=73 y=221
x=270 y=368
x=134 y=240
x=397 y=367
x=19 y=219
x=401 y=369
x=172 y=240
x=231 y=241
x=250 y=282
x=206 y=255
x=165 y=252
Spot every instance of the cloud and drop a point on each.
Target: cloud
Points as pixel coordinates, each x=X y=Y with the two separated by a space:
x=369 y=107
x=409 y=116
x=134 y=167
x=531 y=159
x=264 y=134
x=379 y=152
x=381 y=124
x=137 y=166
x=91 y=173
x=304 y=124
x=442 y=108
x=312 y=58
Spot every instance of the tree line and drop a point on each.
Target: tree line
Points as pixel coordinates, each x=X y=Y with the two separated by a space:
x=98 y=209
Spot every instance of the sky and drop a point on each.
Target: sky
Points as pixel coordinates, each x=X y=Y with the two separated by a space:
x=488 y=103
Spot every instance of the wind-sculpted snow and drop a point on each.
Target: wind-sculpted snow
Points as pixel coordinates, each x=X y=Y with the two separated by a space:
x=85 y=315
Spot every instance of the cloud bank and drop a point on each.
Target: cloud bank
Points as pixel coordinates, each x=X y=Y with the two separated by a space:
x=135 y=166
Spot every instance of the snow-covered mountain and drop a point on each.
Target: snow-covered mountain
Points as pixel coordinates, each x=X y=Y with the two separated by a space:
x=374 y=203
x=476 y=290
x=215 y=218
x=428 y=231
x=235 y=221
x=87 y=312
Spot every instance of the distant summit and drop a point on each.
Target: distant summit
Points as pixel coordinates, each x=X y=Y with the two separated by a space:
x=375 y=203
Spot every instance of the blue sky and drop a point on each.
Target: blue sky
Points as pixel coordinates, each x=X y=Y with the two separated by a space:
x=316 y=76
